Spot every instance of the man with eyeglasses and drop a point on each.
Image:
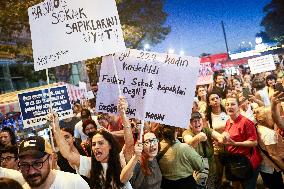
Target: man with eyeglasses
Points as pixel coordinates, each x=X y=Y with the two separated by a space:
x=35 y=162
x=8 y=164
x=9 y=157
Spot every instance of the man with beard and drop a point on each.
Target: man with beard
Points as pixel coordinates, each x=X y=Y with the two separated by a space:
x=35 y=160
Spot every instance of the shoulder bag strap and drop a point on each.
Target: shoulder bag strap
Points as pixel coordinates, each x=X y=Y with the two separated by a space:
x=162 y=153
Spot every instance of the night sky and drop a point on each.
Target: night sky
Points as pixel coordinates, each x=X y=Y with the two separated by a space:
x=196 y=25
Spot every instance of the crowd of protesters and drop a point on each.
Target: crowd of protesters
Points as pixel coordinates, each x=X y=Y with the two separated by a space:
x=239 y=114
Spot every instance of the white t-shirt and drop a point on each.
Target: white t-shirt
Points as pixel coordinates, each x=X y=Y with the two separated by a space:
x=12 y=174
x=85 y=168
x=266 y=137
x=78 y=130
x=65 y=180
x=219 y=121
x=249 y=114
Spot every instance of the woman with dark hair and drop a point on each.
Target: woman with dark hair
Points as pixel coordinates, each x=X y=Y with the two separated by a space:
x=7 y=183
x=89 y=129
x=216 y=117
x=104 y=166
x=178 y=162
x=143 y=168
x=7 y=137
x=270 y=84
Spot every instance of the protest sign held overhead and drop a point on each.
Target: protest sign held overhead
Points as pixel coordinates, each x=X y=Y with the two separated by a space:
x=158 y=87
x=205 y=74
x=34 y=105
x=67 y=31
x=261 y=64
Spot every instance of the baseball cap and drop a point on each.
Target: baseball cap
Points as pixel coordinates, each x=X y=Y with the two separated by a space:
x=35 y=146
x=195 y=115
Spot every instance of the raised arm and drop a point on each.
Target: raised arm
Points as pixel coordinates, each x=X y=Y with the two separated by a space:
x=72 y=157
x=194 y=140
x=128 y=137
x=127 y=171
x=276 y=107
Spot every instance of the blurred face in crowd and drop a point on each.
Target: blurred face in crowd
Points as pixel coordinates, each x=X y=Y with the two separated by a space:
x=90 y=130
x=84 y=116
x=220 y=80
x=103 y=122
x=270 y=82
x=151 y=145
x=236 y=83
x=100 y=148
x=214 y=100
x=35 y=170
x=195 y=107
x=77 y=108
x=232 y=107
x=201 y=91
x=196 y=125
x=8 y=160
x=263 y=116
x=5 y=138
x=68 y=137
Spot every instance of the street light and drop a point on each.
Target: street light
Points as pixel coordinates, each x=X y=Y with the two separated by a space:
x=146 y=47
x=171 y=51
x=181 y=52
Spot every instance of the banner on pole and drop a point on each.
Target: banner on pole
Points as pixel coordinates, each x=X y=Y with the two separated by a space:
x=261 y=64
x=34 y=105
x=205 y=74
x=65 y=32
x=158 y=87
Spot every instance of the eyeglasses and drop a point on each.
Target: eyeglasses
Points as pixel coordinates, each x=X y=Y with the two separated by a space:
x=151 y=141
x=36 y=165
x=8 y=158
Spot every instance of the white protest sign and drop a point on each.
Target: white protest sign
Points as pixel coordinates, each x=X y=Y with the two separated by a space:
x=205 y=74
x=261 y=64
x=157 y=87
x=67 y=31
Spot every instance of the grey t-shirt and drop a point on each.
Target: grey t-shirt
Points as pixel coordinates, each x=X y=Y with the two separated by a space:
x=141 y=181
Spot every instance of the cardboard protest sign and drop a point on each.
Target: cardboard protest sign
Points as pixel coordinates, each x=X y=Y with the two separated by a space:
x=261 y=64
x=205 y=74
x=158 y=87
x=65 y=32
x=34 y=105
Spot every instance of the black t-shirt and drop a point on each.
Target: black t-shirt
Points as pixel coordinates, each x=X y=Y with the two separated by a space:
x=64 y=164
x=70 y=124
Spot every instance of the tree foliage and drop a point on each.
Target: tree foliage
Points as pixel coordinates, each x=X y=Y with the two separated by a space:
x=273 y=21
x=142 y=20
